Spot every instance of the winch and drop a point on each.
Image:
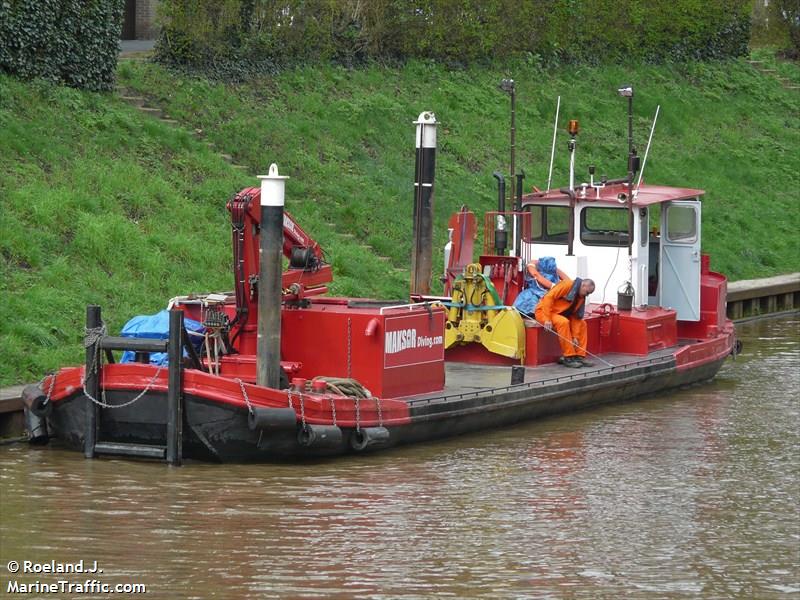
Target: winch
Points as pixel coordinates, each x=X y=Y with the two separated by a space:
x=477 y=315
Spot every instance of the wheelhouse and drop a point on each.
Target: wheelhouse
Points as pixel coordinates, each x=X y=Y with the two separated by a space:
x=589 y=232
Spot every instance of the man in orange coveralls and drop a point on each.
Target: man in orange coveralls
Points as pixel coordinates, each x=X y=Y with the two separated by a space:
x=562 y=309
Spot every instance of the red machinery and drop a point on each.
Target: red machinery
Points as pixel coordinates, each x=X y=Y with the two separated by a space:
x=329 y=336
x=307 y=271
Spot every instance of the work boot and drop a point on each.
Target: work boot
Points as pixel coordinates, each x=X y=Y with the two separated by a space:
x=583 y=362
x=570 y=361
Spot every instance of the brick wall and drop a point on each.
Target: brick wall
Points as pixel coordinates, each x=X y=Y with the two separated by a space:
x=145 y=19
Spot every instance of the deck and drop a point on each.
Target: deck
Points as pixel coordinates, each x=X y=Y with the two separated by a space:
x=465 y=379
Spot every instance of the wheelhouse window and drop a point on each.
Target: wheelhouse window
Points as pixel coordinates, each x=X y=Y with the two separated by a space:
x=681 y=224
x=604 y=226
x=548 y=224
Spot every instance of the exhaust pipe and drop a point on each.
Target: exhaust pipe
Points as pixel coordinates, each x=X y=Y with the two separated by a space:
x=268 y=358
x=422 y=250
x=500 y=233
x=517 y=218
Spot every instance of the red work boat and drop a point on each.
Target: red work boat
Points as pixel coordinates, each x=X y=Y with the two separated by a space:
x=283 y=371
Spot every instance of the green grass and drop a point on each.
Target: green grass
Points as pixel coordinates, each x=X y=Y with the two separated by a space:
x=346 y=139
x=103 y=205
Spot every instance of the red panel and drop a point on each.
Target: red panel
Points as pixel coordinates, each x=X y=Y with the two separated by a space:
x=399 y=353
x=541 y=346
x=713 y=297
x=243 y=366
x=642 y=331
x=695 y=355
x=409 y=340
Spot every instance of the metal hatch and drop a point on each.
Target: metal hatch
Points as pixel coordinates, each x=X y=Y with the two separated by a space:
x=679 y=277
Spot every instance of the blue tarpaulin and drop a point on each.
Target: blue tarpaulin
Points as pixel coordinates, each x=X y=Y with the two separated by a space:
x=157 y=327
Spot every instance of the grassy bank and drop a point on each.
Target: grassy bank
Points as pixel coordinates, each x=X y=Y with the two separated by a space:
x=346 y=138
x=104 y=205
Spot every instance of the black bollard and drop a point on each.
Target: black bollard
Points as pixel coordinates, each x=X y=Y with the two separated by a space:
x=91 y=381
x=174 y=408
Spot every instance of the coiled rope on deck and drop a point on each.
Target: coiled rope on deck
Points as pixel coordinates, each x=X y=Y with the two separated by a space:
x=352 y=388
x=344 y=386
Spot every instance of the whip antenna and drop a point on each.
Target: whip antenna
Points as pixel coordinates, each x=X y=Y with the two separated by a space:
x=650 y=139
x=553 y=149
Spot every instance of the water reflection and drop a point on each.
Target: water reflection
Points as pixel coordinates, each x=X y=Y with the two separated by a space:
x=693 y=494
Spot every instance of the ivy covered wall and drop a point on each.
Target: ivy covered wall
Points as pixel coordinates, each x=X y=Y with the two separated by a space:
x=74 y=42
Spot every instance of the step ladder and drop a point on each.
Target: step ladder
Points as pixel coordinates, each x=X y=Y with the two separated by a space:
x=172 y=452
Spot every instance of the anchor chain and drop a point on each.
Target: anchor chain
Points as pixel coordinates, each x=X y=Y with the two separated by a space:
x=380 y=412
x=302 y=406
x=302 y=412
x=246 y=397
x=52 y=376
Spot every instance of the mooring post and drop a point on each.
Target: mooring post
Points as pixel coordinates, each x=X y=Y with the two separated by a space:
x=425 y=167
x=174 y=394
x=270 y=292
x=91 y=376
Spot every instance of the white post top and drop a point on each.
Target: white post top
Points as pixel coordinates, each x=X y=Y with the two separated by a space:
x=273 y=187
x=426 y=118
x=426 y=136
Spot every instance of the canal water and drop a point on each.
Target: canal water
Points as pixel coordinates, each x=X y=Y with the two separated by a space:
x=693 y=494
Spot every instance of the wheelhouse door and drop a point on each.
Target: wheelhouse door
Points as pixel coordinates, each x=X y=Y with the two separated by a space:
x=679 y=277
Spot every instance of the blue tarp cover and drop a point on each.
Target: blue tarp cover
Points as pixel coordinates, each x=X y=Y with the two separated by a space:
x=157 y=327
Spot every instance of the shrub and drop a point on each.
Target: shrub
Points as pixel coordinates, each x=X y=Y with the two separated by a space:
x=233 y=37
x=789 y=11
x=74 y=42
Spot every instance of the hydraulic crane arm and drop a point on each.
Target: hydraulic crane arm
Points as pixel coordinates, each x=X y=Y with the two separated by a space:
x=307 y=271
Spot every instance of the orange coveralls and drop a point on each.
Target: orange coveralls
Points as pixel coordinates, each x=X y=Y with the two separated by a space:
x=569 y=328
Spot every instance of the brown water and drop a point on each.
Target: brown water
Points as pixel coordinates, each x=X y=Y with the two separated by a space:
x=694 y=494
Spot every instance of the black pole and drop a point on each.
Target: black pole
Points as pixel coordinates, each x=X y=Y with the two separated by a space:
x=424 y=171
x=500 y=233
x=513 y=134
x=630 y=173
x=92 y=380
x=508 y=86
x=517 y=217
x=174 y=408
x=270 y=292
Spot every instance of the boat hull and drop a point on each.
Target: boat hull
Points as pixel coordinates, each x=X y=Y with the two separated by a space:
x=218 y=431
